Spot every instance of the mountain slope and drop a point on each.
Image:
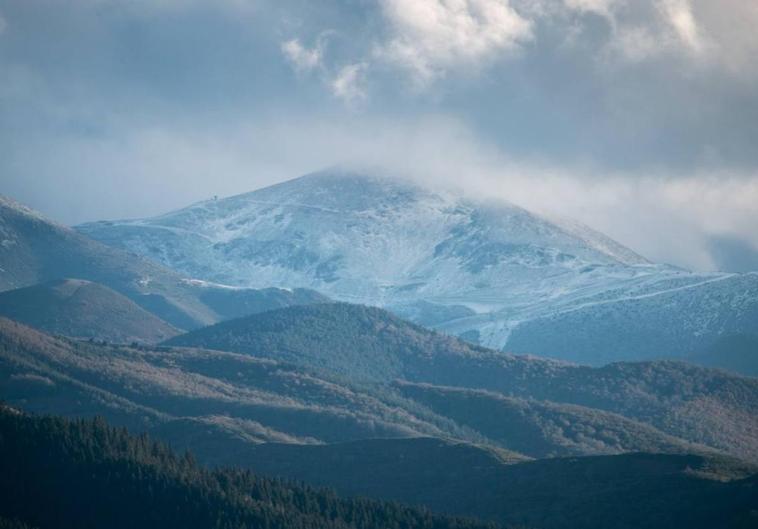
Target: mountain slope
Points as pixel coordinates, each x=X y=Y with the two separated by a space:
x=355 y=341
x=476 y=269
x=213 y=402
x=35 y=250
x=697 y=404
x=219 y=403
x=605 y=492
x=646 y=326
x=542 y=429
x=81 y=308
x=99 y=476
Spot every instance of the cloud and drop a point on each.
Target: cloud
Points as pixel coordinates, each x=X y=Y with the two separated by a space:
x=3 y=24
x=599 y=110
x=429 y=37
x=171 y=164
x=641 y=30
x=678 y=14
x=346 y=82
x=349 y=82
x=303 y=59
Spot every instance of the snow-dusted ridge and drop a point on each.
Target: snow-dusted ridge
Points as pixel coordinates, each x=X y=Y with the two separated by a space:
x=471 y=268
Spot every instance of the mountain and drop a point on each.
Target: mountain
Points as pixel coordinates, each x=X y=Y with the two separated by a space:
x=85 y=473
x=700 y=405
x=602 y=492
x=75 y=307
x=490 y=272
x=35 y=250
x=648 y=326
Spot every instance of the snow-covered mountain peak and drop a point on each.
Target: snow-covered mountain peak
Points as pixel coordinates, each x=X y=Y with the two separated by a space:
x=460 y=264
x=368 y=237
x=345 y=201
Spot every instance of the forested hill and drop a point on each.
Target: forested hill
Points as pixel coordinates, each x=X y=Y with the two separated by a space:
x=700 y=405
x=99 y=476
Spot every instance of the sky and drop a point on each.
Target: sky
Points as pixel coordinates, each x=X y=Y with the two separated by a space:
x=636 y=117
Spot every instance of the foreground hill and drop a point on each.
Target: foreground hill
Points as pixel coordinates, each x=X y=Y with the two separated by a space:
x=491 y=272
x=605 y=492
x=75 y=307
x=99 y=476
x=697 y=404
x=35 y=250
x=222 y=405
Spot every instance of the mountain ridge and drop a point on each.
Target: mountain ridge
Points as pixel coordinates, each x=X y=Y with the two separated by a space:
x=34 y=250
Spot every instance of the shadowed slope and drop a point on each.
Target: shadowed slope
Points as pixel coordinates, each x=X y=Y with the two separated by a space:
x=84 y=309
x=603 y=492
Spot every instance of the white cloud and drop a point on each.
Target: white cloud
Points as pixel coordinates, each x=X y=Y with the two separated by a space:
x=678 y=14
x=349 y=82
x=345 y=82
x=429 y=37
x=303 y=59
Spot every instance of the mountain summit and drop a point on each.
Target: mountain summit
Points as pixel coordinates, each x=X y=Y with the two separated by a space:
x=477 y=269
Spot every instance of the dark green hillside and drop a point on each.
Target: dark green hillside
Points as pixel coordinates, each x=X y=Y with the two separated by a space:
x=600 y=492
x=700 y=405
x=543 y=429
x=36 y=250
x=214 y=402
x=74 y=307
x=353 y=340
x=218 y=403
x=60 y=474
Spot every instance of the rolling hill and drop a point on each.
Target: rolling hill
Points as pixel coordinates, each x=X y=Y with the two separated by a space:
x=452 y=450
x=213 y=402
x=75 y=307
x=219 y=403
x=542 y=429
x=35 y=250
x=699 y=405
